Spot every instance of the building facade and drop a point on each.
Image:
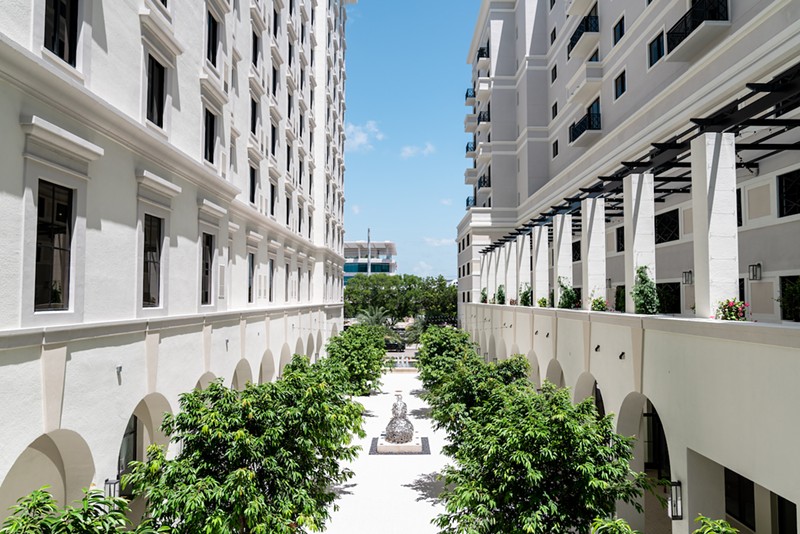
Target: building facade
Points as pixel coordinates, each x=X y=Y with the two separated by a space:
x=369 y=258
x=610 y=136
x=172 y=213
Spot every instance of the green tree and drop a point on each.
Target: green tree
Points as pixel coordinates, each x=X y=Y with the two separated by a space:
x=644 y=293
x=38 y=513
x=709 y=526
x=401 y=296
x=373 y=316
x=612 y=526
x=263 y=460
x=440 y=350
x=361 y=352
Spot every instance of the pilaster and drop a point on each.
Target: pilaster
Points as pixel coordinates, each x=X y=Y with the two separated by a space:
x=640 y=235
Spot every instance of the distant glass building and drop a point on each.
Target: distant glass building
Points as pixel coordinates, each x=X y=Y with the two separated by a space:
x=369 y=258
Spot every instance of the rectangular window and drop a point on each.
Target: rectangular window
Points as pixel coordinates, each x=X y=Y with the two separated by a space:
x=53 y=247
x=253 y=184
x=620 y=239
x=619 y=30
x=595 y=57
x=210 y=143
x=789 y=194
x=274 y=81
x=61 y=29
x=552 y=3
x=553 y=36
x=787 y=516
x=555 y=148
x=156 y=91
x=253 y=115
x=276 y=20
x=271 y=292
x=212 y=44
x=256 y=48
x=273 y=132
x=251 y=277
x=288 y=157
x=576 y=251
x=286 y=282
x=288 y=210
x=553 y=73
x=620 y=85
x=668 y=226
x=655 y=50
x=554 y=110
x=785 y=284
x=740 y=498
x=151 y=270
x=669 y=297
x=739 y=220
x=205 y=269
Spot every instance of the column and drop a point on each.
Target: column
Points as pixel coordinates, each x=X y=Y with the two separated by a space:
x=500 y=273
x=483 y=280
x=523 y=263
x=716 y=237
x=491 y=284
x=511 y=250
x=640 y=233
x=593 y=249
x=540 y=278
x=562 y=253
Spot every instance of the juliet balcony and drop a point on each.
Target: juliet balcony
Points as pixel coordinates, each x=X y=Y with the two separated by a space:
x=484 y=182
x=470 y=149
x=471 y=202
x=703 y=23
x=586 y=83
x=482 y=57
x=484 y=120
x=469 y=97
x=585 y=130
x=585 y=37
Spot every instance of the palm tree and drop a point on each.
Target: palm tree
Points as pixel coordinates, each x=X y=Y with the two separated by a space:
x=373 y=316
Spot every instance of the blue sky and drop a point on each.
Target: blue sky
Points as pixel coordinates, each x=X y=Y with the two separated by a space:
x=406 y=78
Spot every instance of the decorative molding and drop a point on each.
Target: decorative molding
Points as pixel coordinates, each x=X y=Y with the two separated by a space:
x=149 y=181
x=159 y=34
x=211 y=210
x=60 y=140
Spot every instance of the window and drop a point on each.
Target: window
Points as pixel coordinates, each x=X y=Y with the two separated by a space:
x=251 y=276
x=273 y=198
x=253 y=184
x=740 y=499
x=576 y=251
x=619 y=30
x=151 y=272
x=61 y=29
x=669 y=297
x=553 y=73
x=655 y=50
x=787 y=516
x=156 y=91
x=667 y=226
x=288 y=210
x=620 y=85
x=555 y=148
x=554 y=110
x=253 y=115
x=276 y=20
x=273 y=131
x=785 y=283
x=286 y=282
x=127 y=450
x=210 y=139
x=552 y=3
x=206 y=269
x=620 y=239
x=789 y=194
x=553 y=36
x=595 y=56
x=288 y=157
x=739 y=220
x=271 y=289
x=53 y=247
x=212 y=44
x=256 y=48
x=274 y=81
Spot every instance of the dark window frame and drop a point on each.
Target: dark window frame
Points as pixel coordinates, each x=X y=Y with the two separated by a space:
x=206 y=269
x=212 y=38
x=789 y=194
x=620 y=85
x=54 y=236
x=619 y=30
x=61 y=31
x=655 y=50
x=740 y=498
x=153 y=229
x=620 y=238
x=210 y=136
x=156 y=91
x=667 y=226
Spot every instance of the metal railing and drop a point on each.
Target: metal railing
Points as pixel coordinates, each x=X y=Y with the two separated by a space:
x=701 y=11
x=483 y=52
x=470 y=146
x=589 y=23
x=470 y=93
x=484 y=181
x=471 y=202
x=484 y=116
x=590 y=121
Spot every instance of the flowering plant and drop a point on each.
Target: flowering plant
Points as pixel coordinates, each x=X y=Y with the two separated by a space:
x=599 y=304
x=732 y=310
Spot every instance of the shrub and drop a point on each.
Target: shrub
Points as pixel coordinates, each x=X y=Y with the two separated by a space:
x=612 y=526
x=645 y=296
x=709 y=526
x=500 y=296
x=732 y=310
x=599 y=304
x=484 y=296
x=542 y=302
x=568 y=298
x=525 y=295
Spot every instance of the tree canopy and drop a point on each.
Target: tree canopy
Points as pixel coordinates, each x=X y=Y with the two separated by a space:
x=401 y=296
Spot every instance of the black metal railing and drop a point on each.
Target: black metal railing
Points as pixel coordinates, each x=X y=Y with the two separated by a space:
x=471 y=146
x=589 y=23
x=484 y=181
x=590 y=121
x=483 y=52
x=470 y=93
x=484 y=116
x=701 y=11
x=471 y=202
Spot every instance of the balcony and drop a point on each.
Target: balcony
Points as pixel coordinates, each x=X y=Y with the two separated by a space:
x=484 y=88
x=704 y=22
x=469 y=97
x=484 y=150
x=585 y=38
x=470 y=122
x=482 y=57
x=586 y=83
x=470 y=150
x=471 y=202
x=484 y=182
x=484 y=116
x=471 y=176
x=576 y=7
x=586 y=130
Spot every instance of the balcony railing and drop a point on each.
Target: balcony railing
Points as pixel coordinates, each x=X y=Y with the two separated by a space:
x=484 y=116
x=701 y=11
x=470 y=147
x=484 y=181
x=471 y=202
x=590 y=121
x=589 y=23
x=483 y=53
x=470 y=93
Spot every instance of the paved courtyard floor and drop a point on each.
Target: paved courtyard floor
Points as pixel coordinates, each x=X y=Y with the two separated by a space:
x=392 y=493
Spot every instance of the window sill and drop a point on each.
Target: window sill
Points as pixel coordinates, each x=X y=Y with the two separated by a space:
x=63 y=66
x=156 y=129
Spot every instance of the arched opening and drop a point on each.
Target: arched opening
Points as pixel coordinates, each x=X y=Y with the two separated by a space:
x=501 y=353
x=242 y=375
x=142 y=429
x=638 y=418
x=514 y=350
x=266 y=372
x=334 y=330
x=555 y=375
x=586 y=387
x=298 y=348
x=533 y=374
x=205 y=380
x=320 y=347
x=490 y=353
x=60 y=459
x=312 y=355
x=286 y=358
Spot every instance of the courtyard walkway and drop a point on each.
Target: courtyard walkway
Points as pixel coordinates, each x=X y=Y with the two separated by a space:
x=392 y=494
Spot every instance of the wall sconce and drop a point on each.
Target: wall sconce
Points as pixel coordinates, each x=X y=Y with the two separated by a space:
x=675 y=503
x=688 y=278
x=111 y=488
x=754 y=271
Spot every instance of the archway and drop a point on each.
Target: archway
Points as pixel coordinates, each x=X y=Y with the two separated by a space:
x=334 y=330
x=490 y=353
x=312 y=355
x=501 y=353
x=585 y=388
x=60 y=459
x=286 y=358
x=205 y=380
x=533 y=374
x=298 y=348
x=266 y=371
x=242 y=375
x=142 y=429
x=638 y=418
x=320 y=346
x=555 y=374
x=514 y=350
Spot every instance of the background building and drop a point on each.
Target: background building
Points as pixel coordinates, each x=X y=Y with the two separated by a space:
x=171 y=205
x=369 y=258
x=608 y=136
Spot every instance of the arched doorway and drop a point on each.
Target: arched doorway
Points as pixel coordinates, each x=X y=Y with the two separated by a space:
x=555 y=375
x=586 y=387
x=242 y=375
x=266 y=372
x=60 y=459
x=286 y=358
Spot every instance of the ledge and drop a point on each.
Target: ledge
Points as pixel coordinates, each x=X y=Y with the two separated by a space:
x=158 y=185
x=60 y=140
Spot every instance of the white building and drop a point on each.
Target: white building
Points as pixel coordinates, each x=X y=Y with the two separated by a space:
x=171 y=204
x=661 y=133
x=369 y=258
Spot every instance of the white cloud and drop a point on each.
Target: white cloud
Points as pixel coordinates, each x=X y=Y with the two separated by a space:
x=423 y=268
x=356 y=209
x=410 y=151
x=360 y=137
x=446 y=202
x=439 y=241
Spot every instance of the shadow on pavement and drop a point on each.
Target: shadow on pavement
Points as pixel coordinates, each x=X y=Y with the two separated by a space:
x=344 y=489
x=416 y=392
x=429 y=486
x=420 y=413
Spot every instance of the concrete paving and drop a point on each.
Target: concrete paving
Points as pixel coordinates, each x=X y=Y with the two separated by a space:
x=392 y=494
